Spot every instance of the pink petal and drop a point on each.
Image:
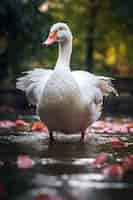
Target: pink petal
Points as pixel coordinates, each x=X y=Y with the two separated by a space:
x=98 y=124
x=37 y=126
x=20 y=122
x=109 y=130
x=101 y=159
x=113 y=171
x=123 y=129
x=128 y=163
x=131 y=130
x=24 y=162
x=129 y=125
x=7 y=124
x=116 y=127
x=45 y=129
x=116 y=142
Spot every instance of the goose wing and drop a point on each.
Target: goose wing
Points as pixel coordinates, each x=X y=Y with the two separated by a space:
x=85 y=79
x=93 y=88
x=33 y=83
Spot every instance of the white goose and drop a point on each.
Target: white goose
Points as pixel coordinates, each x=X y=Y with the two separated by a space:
x=66 y=101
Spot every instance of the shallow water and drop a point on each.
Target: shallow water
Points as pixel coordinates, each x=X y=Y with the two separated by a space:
x=62 y=169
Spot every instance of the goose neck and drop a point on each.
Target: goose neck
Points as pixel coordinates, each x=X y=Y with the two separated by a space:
x=64 y=55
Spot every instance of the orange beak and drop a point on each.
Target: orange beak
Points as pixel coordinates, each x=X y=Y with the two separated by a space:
x=51 y=39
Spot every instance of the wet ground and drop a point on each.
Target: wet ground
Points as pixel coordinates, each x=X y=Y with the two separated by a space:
x=64 y=169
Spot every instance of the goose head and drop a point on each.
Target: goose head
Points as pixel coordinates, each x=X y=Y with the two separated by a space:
x=60 y=33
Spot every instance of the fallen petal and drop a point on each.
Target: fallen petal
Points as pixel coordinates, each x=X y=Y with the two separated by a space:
x=116 y=127
x=131 y=130
x=7 y=124
x=24 y=162
x=101 y=159
x=99 y=124
x=109 y=130
x=21 y=125
x=45 y=129
x=20 y=122
x=113 y=171
x=117 y=143
x=124 y=129
x=129 y=125
x=37 y=126
x=128 y=163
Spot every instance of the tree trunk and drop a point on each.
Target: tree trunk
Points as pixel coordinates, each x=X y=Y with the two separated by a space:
x=93 y=11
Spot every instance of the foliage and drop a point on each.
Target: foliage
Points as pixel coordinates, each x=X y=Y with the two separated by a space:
x=114 y=44
x=112 y=35
x=25 y=23
x=22 y=25
x=73 y=14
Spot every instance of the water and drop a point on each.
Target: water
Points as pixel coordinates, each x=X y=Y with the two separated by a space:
x=62 y=170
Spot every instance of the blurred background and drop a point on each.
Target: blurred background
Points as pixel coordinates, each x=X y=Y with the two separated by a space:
x=102 y=44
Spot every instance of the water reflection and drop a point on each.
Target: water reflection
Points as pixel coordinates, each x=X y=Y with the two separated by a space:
x=62 y=169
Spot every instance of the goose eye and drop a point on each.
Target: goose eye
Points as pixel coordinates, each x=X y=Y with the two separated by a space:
x=60 y=28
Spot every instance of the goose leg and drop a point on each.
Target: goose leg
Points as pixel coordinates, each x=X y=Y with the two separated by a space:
x=51 y=136
x=82 y=136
